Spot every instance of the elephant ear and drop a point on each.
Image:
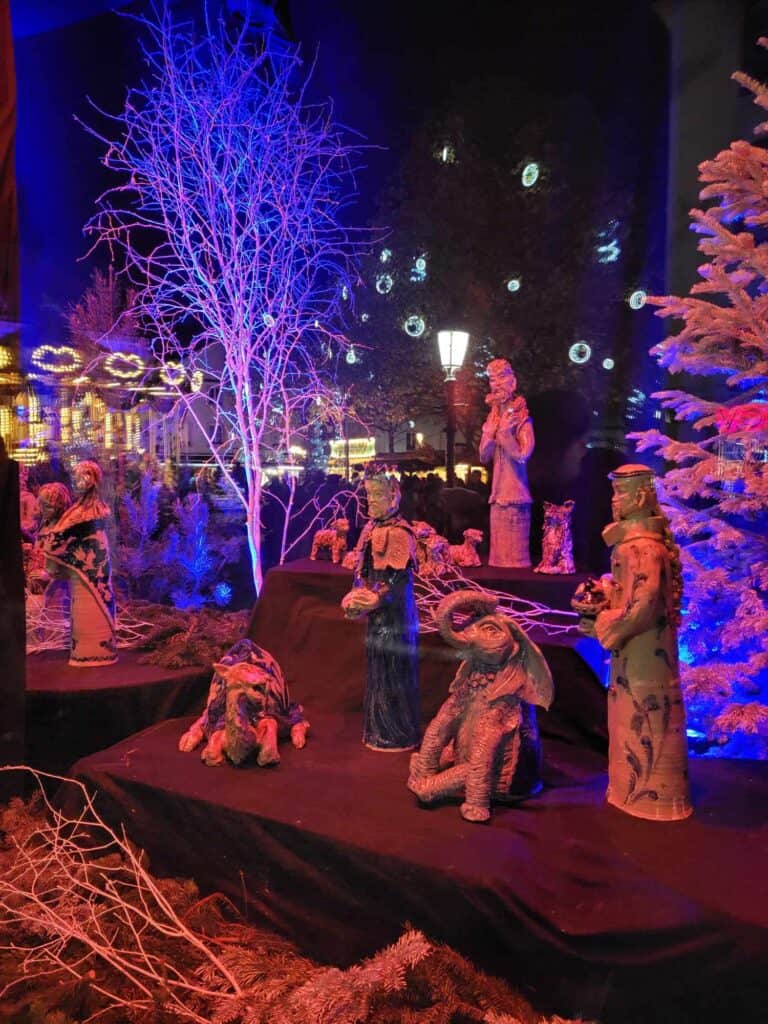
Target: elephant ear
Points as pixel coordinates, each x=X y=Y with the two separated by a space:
x=526 y=674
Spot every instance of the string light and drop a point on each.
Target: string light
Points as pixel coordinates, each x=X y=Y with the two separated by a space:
x=51 y=358
x=172 y=374
x=125 y=365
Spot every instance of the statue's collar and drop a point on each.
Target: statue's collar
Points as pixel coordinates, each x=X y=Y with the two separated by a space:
x=634 y=529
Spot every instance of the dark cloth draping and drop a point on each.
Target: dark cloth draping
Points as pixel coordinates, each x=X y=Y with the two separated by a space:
x=590 y=911
x=72 y=711
x=12 y=624
x=9 y=225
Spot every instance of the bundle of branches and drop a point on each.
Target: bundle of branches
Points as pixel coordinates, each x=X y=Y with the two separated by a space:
x=88 y=933
x=178 y=638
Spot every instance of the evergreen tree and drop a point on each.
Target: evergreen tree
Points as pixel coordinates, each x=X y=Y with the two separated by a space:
x=717 y=489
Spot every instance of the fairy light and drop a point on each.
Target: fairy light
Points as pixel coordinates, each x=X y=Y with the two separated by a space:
x=125 y=365
x=51 y=358
x=6 y=357
x=172 y=374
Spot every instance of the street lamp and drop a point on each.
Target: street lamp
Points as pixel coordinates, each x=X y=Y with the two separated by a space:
x=453 y=348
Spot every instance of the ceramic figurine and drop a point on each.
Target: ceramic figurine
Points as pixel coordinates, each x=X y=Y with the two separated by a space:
x=466 y=554
x=507 y=441
x=634 y=612
x=334 y=540
x=383 y=592
x=483 y=744
x=248 y=710
x=557 y=540
x=433 y=554
x=76 y=546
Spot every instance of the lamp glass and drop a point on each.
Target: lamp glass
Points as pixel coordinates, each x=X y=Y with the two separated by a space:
x=453 y=348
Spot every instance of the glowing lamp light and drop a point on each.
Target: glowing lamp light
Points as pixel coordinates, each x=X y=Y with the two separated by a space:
x=351 y=356
x=56 y=358
x=637 y=299
x=414 y=327
x=530 y=175
x=608 y=364
x=384 y=284
x=385 y=256
x=445 y=153
x=124 y=365
x=513 y=284
x=580 y=352
x=172 y=374
x=453 y=348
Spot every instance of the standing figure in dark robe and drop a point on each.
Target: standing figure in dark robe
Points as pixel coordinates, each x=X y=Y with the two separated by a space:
x=383 y=592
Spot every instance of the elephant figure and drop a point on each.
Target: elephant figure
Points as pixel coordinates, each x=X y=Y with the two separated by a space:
x=247 y=711
x=483 y=744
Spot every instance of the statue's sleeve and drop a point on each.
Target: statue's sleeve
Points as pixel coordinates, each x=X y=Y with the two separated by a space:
x=487 y=445
x=642 y=566
x=518 y=444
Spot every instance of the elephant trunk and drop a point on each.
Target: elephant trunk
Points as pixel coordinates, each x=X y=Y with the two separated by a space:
x=236 y=740
x=470 y=602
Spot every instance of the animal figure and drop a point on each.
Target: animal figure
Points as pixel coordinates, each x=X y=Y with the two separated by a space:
x=557 y=540
x=333 y=539
x=433 y=552
x=466 y=553
x=483 y=744
x=248 y=710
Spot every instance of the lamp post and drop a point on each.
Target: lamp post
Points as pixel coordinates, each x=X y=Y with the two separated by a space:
x=453 y=348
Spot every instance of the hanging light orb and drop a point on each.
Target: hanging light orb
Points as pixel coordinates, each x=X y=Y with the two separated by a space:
x=365 y=317
x=445 y=153
x=513 y=284
x=580 y=352
x=608 y=363
x=414 y=326
x=637 y=299
x=385 y=255
x=530 y=175
x=196 y=380
x=269 y=320
x=351 y=356
x=384 y=284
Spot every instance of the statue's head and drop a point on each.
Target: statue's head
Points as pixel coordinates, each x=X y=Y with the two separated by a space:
x=382 y=491
x=86 y=476
x=634 y=493
x=54 y=499
x=502 y=380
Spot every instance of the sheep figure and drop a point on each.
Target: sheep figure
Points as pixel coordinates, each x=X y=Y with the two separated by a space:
x=332 y=539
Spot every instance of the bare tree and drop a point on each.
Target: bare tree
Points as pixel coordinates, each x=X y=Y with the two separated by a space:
x=230 y=218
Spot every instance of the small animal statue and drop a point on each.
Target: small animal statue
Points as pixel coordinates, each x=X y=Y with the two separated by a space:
x=248 y=710
x=333 y=539
x=351 y=560
x=433 y=552
x=466 y=553
x=557 y=540
x=483 y=744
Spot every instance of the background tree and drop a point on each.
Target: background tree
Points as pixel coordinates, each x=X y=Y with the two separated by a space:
x=230 y=218
x=501 y=224
x=717 y=491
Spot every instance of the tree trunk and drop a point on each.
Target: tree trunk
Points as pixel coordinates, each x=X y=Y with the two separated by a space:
x=253 y=528
x=391 y=432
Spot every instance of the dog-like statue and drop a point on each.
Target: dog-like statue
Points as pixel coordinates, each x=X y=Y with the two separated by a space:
x=483 y=744
x=466 y=554
x=247 y=711
x=433 y=552
x=333 y=539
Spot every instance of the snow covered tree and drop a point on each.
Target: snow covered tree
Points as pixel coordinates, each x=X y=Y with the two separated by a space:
x=717 y=487
x=229 y=215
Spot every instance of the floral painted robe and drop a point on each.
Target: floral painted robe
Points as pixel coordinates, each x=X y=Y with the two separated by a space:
x=647 y=755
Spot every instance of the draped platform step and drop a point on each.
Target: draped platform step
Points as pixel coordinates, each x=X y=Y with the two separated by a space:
x=71 y=712
x=591 y=912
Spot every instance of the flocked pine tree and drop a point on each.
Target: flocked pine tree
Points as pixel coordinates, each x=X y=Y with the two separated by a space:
x=716 y=490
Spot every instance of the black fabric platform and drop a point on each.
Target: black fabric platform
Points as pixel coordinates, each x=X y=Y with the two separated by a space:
x=586 y=909
x=71 y=712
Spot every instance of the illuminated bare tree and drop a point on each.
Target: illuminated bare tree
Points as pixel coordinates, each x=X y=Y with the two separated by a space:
x=230 y=219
